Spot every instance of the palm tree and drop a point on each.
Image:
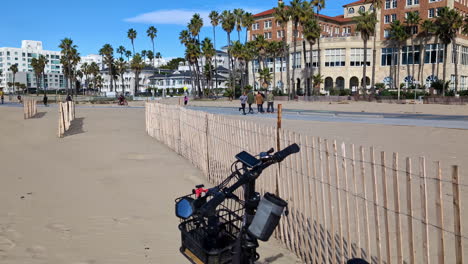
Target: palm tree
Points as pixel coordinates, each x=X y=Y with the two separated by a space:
x=108 y=55
x=239 y=15
x=121 y=50
x=128 y=54
x=274 y=50
x=152 y=34
x=14 y=69
x=98 y=82
x=208 y=52
x=264 y=76
x=137 y=66
x=121 y=67
x=228 y=22
x=150 y=56
x=376 y=4
x=132 y=34
x=319 y=5
x=282 y=17
x=194 y=27
x=192 y=54
x=94 y=70
x=68 y=59
x=85 y=68
x=214 y=17
x=261 y=46
x=38 y=67
x=311 y=34
x=427 y=30
x=448 y=24
x=398 y=35
x=412 y=22
x=297 y=14
x=365 y=24
x=237 y=52
x=247 y=22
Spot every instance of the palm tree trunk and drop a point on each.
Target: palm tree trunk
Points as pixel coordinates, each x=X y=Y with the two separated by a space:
x=288 y=80
x=274 y=72
x=281 y=71
x=374 y=55
x=311 y=76
x=414 y=61
x=152 y=60
x=455 y=53
x=216 y=57
x=133 y=47
x=229 y=58
x=364 y=69
x=398 y=71
x=421 y=63
x=319 y=59
x=294 y=62
x=444 y=68
x=408 y=67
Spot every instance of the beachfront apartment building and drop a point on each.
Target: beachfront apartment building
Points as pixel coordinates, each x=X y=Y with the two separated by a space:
x=342 y=53
x=23 y=56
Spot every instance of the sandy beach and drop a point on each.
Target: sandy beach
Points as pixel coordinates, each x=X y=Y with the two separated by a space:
x=103 y=194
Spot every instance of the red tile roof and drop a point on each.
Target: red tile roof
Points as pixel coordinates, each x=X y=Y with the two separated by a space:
x=339 y=18
x=355 y=3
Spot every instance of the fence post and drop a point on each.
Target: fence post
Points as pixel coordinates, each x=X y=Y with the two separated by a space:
x=376 y=206
x=457 y=216
x=396 y=190
x=409 y=205
x=385 y=200
x=440 y=214
x=425 y=230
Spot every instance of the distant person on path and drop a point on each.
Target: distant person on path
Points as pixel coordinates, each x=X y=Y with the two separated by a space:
x=1 y=96
x=45 y=99
x=185 y=100
x=259 y=99
x=271 y=102
x=69 y=99
x=250 y=101
x=19 y=98
x=243 y=99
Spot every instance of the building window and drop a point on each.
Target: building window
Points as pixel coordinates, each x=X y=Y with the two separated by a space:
x=255 y=26
x=390 y=4
x=387 y=19
x=315 y=58
x=394 y=17
x=335 y=57
x=412 y=2
x=351 y=10
x=433 y=1
x=362 y=9
x=357 y=57
x=280 y=33
x=410 y=57
x=464 y=56
x=463 y=85
x=457 y=49
x=431 y=13
x=267 y=35
x=267 y=24
x=296 y=60
x=434 y=53
x=387 y=56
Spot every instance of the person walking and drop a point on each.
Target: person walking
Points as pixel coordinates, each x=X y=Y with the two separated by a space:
x=69 y=98
x=250 y=101
x=185 y=100
x=243 y=99
x=45 y=100
x=1 y=96
x=270 y=102
x=259 y=99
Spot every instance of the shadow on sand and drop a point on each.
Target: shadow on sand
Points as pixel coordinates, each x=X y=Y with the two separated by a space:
x=39 y=115
x=76 y=127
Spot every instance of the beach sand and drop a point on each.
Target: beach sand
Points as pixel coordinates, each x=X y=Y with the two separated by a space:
x=103 y=194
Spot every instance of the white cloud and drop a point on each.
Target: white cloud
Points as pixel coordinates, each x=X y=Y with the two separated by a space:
x=169 y=17
x=175 y=16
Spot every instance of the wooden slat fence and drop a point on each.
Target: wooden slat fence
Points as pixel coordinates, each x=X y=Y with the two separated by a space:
x=66 y=116
x=345 y=201
x=29 y=108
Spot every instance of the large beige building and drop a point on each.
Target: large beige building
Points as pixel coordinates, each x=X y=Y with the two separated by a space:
x=342 y=53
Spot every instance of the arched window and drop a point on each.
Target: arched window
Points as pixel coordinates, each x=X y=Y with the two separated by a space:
x=388 y=81
x=430 y=79
x=351 y=11
x=409 y=80
x=362 y=9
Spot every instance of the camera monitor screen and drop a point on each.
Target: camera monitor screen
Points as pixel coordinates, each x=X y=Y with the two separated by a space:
x=247 y=159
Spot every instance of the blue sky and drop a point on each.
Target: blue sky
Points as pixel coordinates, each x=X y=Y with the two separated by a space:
x=92 y=23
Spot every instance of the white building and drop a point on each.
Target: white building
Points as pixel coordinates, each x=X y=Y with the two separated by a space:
x=23 y=56
x=90 y=59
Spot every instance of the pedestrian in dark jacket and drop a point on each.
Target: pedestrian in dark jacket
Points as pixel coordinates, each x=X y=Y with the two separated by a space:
x=243 y=99
x=250 y=101
x=45 y=100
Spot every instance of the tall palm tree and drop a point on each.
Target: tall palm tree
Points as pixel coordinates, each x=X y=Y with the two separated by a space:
x=14 y=69
x=296 y=12
x=398 y=35
x=38 y=67
x=132 y=34
x=214 y=17
x=261 y=46
x=192 y=55
x=282 y=17
x=108 y=55
x=85 y=68
x=311 y=34
x=121 y=67
x=376 y=4
x=237 y=52
x=94 y=70
x=412 y=22
x=137 y=66
x=319 y=5
x=69 y=59
x=426 y=32
x=448 y=24
x=152 y=34
x=239 y=14
x=208 y=52
x=228 y=22
x=247 y=22
x=274 y=50
x=365 y=24
x=194 y=27
x=121 y=50
x=128 y=54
